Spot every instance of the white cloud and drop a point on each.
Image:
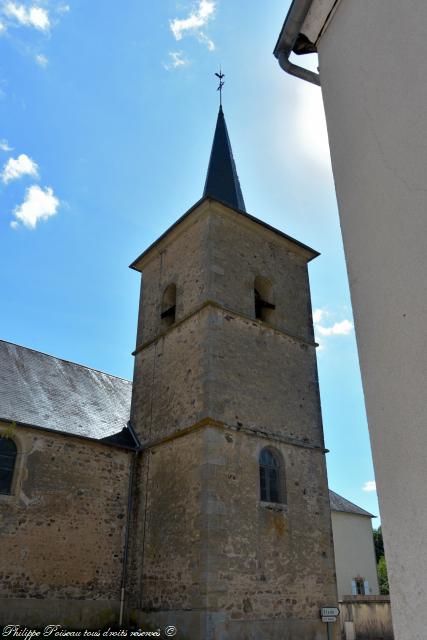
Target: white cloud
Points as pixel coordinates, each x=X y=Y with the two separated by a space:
x=34 y=16
x=194 y=23
x=370 y=486
x=318 y=315
x=4 y=145
x=39 y=204
x=342 y=328
x=177 y=59
x=41 y=60
x=15 y=168
x=203 y=38
x=2 y=27
x=63 y=8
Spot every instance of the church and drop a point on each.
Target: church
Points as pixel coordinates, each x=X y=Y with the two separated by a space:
x=195 y=498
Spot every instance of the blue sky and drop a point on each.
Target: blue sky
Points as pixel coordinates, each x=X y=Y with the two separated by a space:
x=107 y=114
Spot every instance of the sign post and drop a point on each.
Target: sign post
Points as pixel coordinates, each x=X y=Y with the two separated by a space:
x=329 y=615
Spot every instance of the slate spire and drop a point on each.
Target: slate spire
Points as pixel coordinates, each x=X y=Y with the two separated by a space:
x=222 y=181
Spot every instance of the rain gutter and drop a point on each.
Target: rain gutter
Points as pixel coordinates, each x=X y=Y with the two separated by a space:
x=291 y=29
x=134 y=458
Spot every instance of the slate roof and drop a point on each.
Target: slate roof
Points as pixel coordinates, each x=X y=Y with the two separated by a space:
x=338 y=503
x=46 y=392
x=222 y=181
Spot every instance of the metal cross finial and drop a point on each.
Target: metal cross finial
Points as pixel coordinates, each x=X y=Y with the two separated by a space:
x=220 y=75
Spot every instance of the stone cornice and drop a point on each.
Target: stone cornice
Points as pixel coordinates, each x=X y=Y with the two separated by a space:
x=251 y=431
x=238 y=314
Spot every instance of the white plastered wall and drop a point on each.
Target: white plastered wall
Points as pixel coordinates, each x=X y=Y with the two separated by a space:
x=354 y=552
x=374 y=83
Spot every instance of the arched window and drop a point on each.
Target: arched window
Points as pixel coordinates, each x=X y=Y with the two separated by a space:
x=271 y=476
x=263 y=298
x=168 y=305
x=7 y=464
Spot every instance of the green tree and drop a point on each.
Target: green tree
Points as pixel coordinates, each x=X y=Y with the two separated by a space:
x=382 y=576
x=9 y=431
x=379 y=545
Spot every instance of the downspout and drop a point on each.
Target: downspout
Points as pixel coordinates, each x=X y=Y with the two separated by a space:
x=128 y=522
x=291 y=29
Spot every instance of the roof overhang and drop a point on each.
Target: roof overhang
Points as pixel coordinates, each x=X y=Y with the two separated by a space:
x=339 y=504
x=126 y=439
x=202 y=207
x=303 y=26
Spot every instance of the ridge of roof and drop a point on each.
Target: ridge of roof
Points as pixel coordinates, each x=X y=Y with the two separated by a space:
x=76 y=364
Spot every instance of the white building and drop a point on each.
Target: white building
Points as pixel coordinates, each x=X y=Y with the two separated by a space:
x=355 y=561
x=374 y=83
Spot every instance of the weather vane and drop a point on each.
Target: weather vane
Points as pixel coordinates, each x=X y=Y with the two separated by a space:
x=220 y=75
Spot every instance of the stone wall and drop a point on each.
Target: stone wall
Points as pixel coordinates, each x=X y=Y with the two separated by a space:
x=217 y=562
x=214 y=364
x=241 y=250
x=216 y=346
x=262 y=378
x=181 y=259
x=366 y=618
x=216 y=254
x=62 y=531
x=209 y=393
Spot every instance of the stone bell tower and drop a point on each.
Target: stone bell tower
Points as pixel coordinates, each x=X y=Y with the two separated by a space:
x=234 y=536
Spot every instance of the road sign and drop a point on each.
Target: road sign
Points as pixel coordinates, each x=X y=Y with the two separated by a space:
x=329 y=619
x=329 y=611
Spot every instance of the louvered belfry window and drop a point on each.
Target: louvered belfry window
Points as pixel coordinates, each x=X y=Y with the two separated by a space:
x=7 y=464
x=269 y=475
x=168 y=311
x=263 y=299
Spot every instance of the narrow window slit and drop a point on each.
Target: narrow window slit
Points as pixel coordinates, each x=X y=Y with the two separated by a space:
x=263 y=299
x=169 y=313
x=168 y=309
x=260 y=305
